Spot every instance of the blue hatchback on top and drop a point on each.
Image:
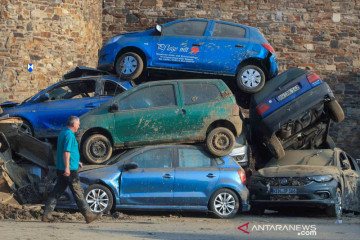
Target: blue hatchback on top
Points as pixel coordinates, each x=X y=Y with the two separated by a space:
x=164 y=177
x=45 y=114
x=194 y=45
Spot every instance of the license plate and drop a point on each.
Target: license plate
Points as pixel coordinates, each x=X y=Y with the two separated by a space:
x=283 y=191
x=289 y=92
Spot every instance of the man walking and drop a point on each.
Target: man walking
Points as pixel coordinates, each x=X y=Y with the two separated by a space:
x=67 y=165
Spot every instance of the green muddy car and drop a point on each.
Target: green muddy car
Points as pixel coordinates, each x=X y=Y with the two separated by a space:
x=176 y=111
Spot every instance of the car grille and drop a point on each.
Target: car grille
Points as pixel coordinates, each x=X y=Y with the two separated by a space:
x=288 y=197
x=288 y=181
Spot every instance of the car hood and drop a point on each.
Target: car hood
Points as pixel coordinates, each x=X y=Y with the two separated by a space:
x=87 y=168
x=137 y=33
x=296 y=171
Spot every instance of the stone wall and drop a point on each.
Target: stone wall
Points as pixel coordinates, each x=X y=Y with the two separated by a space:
x=54 y=35
x=321 y=35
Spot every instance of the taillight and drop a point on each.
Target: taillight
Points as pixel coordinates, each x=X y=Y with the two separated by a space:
x=268 y=47
x=312 y=77
x=261 y=108
x=242 y=176
x=235 y=110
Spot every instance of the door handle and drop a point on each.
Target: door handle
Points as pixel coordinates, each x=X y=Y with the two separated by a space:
x=183 y=111
x=210 y=175
x=167 y=176
x=197 y=44
x=90 y=105
x=239 y=46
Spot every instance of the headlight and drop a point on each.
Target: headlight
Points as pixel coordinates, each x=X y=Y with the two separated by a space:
x=323 y=178
x=114 y=39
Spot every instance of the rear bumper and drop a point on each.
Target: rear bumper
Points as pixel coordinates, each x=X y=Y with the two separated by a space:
x=294 y=109
x=273 y=70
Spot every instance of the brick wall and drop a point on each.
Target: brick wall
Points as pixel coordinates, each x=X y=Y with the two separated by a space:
x=54 y=35
x=321 y=35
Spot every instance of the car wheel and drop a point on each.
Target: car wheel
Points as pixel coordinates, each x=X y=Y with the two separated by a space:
x=220 y=141
x=129 y=66
x=97 y=149
x=336 y=209
x=99 y=198
x=26 y=127
x=250 y=79
x=335 y=111
x=255 y=210
x=224 y=203
x=276 y=147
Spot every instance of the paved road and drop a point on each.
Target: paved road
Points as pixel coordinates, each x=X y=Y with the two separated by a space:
x=186 y=226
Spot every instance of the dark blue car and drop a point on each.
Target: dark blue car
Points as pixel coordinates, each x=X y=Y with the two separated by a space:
x=194 y=45
x=45 y=114
x=293 y=111
x=164 y=178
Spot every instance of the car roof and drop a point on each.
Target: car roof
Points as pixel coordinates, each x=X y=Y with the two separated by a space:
x=182 y=80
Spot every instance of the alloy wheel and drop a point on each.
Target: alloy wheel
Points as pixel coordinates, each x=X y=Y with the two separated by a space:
x=98 y=200
x=224 y=204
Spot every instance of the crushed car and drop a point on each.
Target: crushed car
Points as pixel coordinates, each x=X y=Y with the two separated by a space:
x=293 y=111
x=44 y=115
x=168 y=177
x=172 y=111
x=322 y=178
x=194 y=45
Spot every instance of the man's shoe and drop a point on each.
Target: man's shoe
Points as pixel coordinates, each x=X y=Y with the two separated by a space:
x=92 y=217
x=47 y=218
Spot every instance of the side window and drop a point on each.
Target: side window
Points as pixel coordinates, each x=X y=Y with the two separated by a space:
x=186 y=28
x=352 y=162
x=343 y=160
x=81 y=89
x=193 y=158
x=228 y=31
x=195 y=93
x=157 y=158
x=150 y=97
x=112 y=89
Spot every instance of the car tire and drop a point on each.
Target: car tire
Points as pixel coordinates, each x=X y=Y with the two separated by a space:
x=250 y=79
x=26 y=127
x=220 y=141
x=129 y=66
x=255 y=210
x=99 y=198
x=335 y=111
x=336 y=209
x=224 y=208
x=275 y=147
x=97 y=149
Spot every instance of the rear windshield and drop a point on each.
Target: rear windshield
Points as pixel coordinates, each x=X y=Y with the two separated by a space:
x=276 y=82
x=322 y=157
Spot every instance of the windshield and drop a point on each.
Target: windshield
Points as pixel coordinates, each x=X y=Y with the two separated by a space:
x=322 y=157
x=118 y=157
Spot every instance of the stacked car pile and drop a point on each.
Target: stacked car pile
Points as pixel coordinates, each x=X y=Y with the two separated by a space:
x=292 y=111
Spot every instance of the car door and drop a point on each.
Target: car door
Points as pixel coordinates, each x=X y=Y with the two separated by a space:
x=201 y=102
x=149 y=114
x=354 y=174
x=225 y=48
x=351 y=178
x=196 y=175
x=152 y=182
x=71 y=98
x=181 y=45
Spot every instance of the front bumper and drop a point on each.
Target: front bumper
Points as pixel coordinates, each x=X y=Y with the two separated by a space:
x=306 y=196
x=107 y=57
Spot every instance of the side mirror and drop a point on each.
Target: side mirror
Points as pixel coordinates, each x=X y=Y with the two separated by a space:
x=129 y=166
x=346 y=166
x=158 y=28
x=44 y=97
x=114 y=107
